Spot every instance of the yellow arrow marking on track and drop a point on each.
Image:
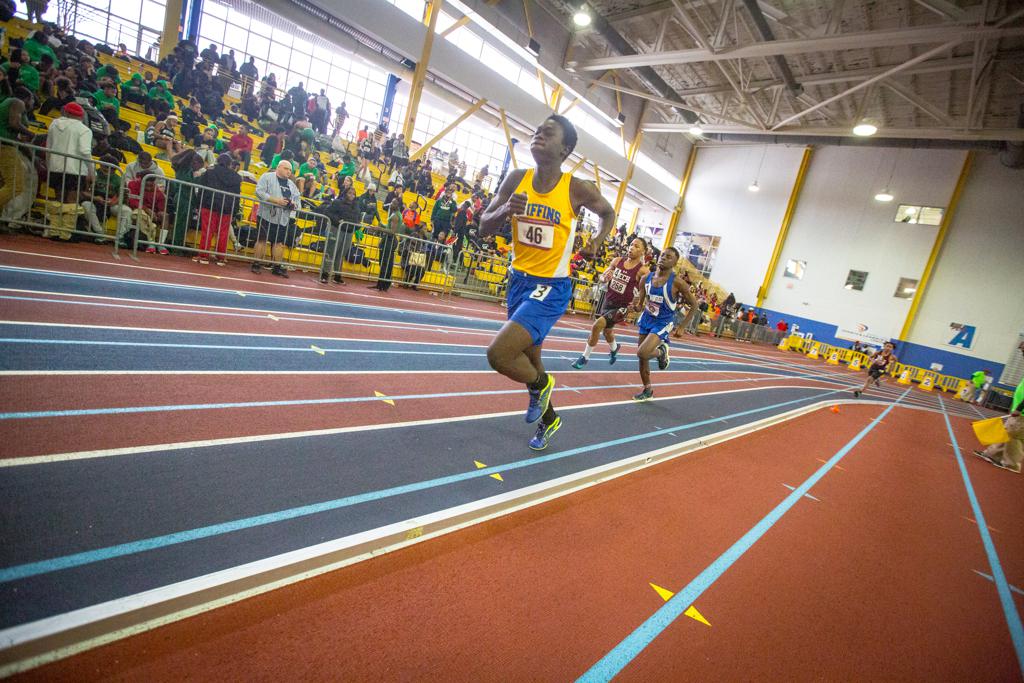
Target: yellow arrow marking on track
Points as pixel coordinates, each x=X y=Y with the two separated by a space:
x=691 y=611
x=386 y=400
x=272 y=317
x=480 y=466
x=317 y=349
x=239 y=293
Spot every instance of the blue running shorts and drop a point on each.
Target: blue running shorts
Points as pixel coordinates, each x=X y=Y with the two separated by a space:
x=537 y=303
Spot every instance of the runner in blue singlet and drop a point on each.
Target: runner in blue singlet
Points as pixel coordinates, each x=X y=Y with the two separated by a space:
x=661 y=294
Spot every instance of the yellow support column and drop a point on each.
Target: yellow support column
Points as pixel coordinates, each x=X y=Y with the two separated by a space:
x=634 y=148
x=787 y=220
x=508 y=138
x=172 y=27
x=940 y=239
x=597 y=177
x=673 y=222
x=577 y=165
x=433 y=11
x=632 y=221
x=473 y=108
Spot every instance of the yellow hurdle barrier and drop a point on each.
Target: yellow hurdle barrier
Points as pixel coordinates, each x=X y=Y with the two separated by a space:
x=813 y=353
x=833 y=358
x=904 y=377
x=927 y=382
x=855 y=362
x=964 y=392
x=784 y=344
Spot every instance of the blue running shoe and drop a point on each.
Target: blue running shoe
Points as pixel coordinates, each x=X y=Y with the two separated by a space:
x=579 y=362
x=613 y=355
x=539 y=400
x=646 y=395
x=663 y=359
x=544 y=433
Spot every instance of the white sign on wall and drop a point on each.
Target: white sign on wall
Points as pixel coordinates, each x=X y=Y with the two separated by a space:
x=863 y=333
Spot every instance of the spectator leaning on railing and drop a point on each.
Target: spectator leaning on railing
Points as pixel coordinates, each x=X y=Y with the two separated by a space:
x=218 y=203
x=67 y=137
x=278 y=197
x=344 y=215
x=13 y=127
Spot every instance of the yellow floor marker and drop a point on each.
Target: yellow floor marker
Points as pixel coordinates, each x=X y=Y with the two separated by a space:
x=272 y=317
x=480 y=466
x=317 y=349
x=239 y=293
x=691 y=611
x=386 y=400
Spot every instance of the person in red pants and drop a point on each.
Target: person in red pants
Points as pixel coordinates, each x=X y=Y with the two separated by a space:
x=218 y=202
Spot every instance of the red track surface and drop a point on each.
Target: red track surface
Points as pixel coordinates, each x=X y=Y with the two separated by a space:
x=874 y=581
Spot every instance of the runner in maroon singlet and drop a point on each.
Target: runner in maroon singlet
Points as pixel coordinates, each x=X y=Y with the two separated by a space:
x=623 y=278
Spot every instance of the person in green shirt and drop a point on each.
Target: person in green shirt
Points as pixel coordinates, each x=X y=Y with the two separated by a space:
x=286 y=155
x=110 y=72
x=982 y=379
x=27 y=75
x=106 y=100
x=36 y=46
x=134 y=90
x=160 y=99
x=348 y=168
x=1010 y=454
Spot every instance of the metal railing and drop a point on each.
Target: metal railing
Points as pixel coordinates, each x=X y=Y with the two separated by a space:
x=75 y=200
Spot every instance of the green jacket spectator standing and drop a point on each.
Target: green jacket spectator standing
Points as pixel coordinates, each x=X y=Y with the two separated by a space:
x=444 y=209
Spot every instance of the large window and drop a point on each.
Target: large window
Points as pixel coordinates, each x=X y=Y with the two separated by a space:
x=136 y=23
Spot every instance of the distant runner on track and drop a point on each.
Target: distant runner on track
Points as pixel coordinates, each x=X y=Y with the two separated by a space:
x=542 y=205
x=661 y=294
x=878 y=366
x=623 y=277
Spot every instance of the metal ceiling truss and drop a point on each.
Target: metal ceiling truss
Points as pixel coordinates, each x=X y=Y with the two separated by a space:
x=718 y=63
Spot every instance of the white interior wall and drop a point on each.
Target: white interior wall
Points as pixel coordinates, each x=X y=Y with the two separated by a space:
x=979 y=276
x=839 y=226
x=718 y=203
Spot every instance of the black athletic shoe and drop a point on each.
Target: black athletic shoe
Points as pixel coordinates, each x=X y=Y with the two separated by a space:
x=646 y=395
x=256 y=268
x=663 y=359
x=279 y=271
x=856 y=393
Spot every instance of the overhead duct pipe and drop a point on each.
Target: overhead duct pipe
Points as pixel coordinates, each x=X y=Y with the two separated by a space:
x=766 y=33
x=646 y=74
x=1012 y=155
x=821 y=141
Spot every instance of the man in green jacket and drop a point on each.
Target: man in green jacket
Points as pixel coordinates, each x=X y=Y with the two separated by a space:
x=107 y=102
x=1010 y=454
x=444 y=209
x=134 y=90
x=37 y=45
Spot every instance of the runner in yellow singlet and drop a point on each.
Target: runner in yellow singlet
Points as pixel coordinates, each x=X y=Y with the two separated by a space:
x=542 y=205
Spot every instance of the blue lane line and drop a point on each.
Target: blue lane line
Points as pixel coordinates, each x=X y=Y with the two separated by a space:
x=1013 y=589
x=624 y=653
x=350 y=399
x=1002 y=585
x=22 y=571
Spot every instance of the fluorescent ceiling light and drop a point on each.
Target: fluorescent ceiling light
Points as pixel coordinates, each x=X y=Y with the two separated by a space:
x=582 y=17
x=695 y=129
x=865 y=128
x=883 y=196
x=753 y=187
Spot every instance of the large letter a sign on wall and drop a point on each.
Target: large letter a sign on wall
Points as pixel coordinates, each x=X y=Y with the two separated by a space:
x=961 y=335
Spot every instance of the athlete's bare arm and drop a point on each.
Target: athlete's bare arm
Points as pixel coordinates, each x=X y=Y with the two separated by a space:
x=585 y=194
x=606 y=276
x=680 y=288
x=504 y=205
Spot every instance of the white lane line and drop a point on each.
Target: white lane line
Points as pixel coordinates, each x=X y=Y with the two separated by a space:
x=203 y=443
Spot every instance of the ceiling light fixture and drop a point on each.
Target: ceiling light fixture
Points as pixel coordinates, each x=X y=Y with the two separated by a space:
x=754 y=187
x=696 y=130
x=582 y=17
x=885 y=195
x=865 y=128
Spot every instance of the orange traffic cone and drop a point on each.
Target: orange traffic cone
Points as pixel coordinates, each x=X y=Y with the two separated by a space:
x=835 y=409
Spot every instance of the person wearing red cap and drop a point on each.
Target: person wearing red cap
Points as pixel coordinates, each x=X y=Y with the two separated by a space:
x=70 y=170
